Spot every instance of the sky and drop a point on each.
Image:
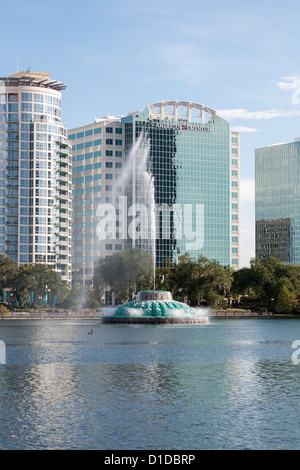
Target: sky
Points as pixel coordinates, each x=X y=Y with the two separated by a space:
x=239 y=57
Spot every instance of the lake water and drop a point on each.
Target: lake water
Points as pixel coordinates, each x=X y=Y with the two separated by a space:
x=230 y=384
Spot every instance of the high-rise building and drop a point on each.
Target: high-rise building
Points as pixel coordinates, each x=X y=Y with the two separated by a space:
x=195 y=166
x=277 y=201
x=35 y=172
x=98 y=166
x=193 y=159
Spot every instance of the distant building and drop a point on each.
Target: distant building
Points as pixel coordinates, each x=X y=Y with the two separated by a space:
x=35 y=172
x=277 y=202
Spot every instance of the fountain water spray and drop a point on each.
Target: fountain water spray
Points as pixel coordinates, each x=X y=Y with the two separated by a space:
x=149 y=306
x=139 y=178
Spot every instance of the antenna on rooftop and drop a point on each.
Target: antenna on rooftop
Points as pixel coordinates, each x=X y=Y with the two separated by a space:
x=17 y=62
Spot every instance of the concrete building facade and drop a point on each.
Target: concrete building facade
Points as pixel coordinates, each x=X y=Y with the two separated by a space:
x=35 y=173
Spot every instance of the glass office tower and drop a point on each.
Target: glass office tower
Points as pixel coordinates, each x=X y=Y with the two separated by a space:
x=277 y=201
x=194 y=160
x=35 y=173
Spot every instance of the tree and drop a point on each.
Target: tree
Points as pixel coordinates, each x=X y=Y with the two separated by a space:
x=49 y=284
x=286 y=301
x=8 y=271
x=196 y=280
x=23 y=282
x=125 y=273
x=264 y=280
x=72 y=297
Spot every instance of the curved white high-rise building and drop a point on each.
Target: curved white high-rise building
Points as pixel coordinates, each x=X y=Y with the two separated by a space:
x=35 y=173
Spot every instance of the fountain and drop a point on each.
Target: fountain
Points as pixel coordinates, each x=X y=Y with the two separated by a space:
x=150 y=306
x=155 y=307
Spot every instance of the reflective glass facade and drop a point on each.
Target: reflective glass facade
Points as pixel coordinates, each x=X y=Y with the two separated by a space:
x=35 y=174
x=196 y=185
x=277 y=202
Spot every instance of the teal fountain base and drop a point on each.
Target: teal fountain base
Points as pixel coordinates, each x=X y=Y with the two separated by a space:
x=155 y=307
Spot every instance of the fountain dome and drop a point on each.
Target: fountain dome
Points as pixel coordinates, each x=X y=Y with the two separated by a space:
x=154 y=307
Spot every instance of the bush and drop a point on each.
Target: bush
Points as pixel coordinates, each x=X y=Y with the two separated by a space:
x=3 y=310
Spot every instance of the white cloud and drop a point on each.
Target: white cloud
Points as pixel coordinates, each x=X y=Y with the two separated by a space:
x=244 y=129
x=241 y=113
x=289 y=83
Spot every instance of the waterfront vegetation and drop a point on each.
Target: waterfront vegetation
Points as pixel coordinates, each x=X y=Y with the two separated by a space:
x=266 y=285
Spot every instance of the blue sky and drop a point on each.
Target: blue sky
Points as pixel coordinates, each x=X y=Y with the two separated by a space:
x=239 y=57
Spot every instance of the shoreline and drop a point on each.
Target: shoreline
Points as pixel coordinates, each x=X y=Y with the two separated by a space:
x=98 y=315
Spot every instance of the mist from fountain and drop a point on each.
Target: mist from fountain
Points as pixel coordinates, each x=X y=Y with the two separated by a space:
x=138 y=175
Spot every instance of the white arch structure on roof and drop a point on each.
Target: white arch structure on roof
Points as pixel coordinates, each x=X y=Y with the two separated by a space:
x=181 y=111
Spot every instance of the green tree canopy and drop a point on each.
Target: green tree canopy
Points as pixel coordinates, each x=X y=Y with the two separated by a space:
x=264 y=280
x=8 y=270
x=196 y=280
x=286 y=301
x=125 y=272
x=40 y=279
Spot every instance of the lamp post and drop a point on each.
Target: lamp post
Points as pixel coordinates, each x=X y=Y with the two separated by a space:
x=272 y=305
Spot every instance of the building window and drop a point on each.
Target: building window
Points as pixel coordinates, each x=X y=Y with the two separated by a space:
x=109 y=141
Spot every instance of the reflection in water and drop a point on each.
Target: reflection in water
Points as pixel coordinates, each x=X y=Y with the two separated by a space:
x=219 y=386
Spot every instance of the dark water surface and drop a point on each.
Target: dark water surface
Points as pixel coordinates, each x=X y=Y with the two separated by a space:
x=230 y=384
